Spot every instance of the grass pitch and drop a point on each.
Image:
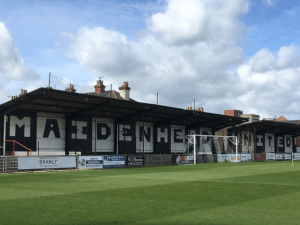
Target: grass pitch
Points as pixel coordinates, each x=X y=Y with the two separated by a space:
x=224 y=193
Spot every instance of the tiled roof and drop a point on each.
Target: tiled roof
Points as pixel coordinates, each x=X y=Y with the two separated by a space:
x=109 y=94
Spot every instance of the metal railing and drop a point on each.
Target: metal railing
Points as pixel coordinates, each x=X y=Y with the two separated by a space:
x=8 y=164
x=14 y=147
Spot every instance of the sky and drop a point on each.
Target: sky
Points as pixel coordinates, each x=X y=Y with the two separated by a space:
x=237 y=54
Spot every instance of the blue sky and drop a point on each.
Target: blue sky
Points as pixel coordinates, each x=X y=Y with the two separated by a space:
x=241 y=54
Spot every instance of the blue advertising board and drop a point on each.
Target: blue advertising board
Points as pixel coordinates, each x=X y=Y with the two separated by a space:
x=90 y=162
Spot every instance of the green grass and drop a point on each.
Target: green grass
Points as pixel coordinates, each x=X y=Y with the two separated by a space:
x=225 y=193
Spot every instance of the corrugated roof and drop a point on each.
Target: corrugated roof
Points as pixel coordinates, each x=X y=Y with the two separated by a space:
x=76 y=104
x=274 y=127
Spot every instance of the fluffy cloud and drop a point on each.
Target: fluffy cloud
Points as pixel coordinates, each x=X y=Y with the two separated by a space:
x=269 y=2
x=190 y=51
x=184 y=54
x=12 y=67
x=104 y=50
x=192 y=21
x=270 y=82
x=11 y=64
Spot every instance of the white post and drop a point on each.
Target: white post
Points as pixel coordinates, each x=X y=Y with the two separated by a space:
x=292 y=159
x=117 y=139
x=236 y=149
x=4 y=135
x=194 y=148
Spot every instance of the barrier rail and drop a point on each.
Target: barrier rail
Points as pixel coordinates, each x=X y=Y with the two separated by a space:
x=8 y=164
x=14 y=146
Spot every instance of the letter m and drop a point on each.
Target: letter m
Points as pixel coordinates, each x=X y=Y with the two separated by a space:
x=19 y=126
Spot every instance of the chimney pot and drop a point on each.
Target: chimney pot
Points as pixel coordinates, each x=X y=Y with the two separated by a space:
x=23 y=92
x=70 y=88
x=99 y=87
x=125 y=90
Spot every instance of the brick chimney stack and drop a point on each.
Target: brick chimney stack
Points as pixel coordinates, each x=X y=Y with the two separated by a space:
x=125 y=90
x=99 y=87
x=71 y=88
x=23 y=92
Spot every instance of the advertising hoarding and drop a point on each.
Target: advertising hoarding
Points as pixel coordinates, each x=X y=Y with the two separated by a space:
x=90 y=162
x=296 y=156
x=270 y=156
x=46 y=162
x=114 y=161
x=185 y=159
x=135 y=160
x=223 y=157
x=245 y=157
x=278 y=156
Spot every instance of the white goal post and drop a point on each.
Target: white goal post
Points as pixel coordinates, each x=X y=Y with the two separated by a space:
x=192 y=140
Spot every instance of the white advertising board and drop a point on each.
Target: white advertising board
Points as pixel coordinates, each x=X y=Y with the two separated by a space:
x=245 y=157
x=270 y=156
x=114 y=161
x=287 y=156
x=46 y=162
x=223 y=157
x=278 y=157
x=234 y=159
x=230 y=157
x=90 y=162
x=296 y=156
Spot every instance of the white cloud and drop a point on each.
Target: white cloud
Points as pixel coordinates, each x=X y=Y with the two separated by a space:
x=192 y=21
x=193 y=60
x=11 y=64
x=269 y=2
x=270 y=81
x=104 y=51
x=189 y=61
x=13 y=68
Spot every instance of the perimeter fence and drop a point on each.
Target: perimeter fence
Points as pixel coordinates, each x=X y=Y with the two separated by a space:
x=10 y=164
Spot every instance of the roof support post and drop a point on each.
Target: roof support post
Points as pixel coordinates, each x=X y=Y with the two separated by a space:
x=95 y=134
x=68 y=129
x=254 y=141
x=4 y=134
x=154 y=139
x=248 y=140
x=276 y=146
x=240 y=141
x=116 y=137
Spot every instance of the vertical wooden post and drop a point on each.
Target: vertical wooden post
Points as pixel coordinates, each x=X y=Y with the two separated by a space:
x=255 y=141
x=14 y=146
x=143 y=134
x=95 y=133
x=248 y=140
x=4 y=135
